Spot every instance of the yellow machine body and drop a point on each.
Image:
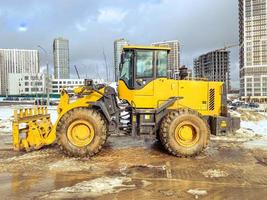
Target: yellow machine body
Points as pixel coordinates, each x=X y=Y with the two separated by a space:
x=202 y=96
x=147 y=101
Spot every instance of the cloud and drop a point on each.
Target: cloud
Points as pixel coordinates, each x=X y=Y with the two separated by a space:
x=111 y=15
x=81 y=27
x=22 y=27
x=92 y=26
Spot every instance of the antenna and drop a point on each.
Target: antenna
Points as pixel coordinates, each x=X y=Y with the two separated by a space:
x=105 y=59
x=97 y=72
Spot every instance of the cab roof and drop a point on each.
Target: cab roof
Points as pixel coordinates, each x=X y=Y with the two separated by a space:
x=147 y=47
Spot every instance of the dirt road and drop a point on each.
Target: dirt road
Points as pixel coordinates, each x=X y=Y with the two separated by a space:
x=135 y=169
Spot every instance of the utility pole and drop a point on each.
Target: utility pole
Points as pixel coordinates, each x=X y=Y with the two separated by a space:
x=47 y=75
x=77 y=72
x=107 y=70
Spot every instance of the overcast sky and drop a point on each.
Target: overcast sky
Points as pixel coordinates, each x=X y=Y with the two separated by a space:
x=92 y=26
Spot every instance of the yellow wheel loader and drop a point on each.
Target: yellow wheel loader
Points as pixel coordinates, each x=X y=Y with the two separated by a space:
x=181 y=114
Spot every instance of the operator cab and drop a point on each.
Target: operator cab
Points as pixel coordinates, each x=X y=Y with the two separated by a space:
x=143 y=64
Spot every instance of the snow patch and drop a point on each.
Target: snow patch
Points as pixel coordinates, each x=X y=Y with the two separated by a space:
x=71 y=165
x=5 y=126
x=93 y=188
x=27 y=156
x=6 y=112
x=103 y=185
x=257 y=144
x=234 y=113
x=6 y=116
x=214 y=173
x=259 y=127
x=197 y=192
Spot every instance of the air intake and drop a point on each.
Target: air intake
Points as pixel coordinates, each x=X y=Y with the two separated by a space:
x=211 y=99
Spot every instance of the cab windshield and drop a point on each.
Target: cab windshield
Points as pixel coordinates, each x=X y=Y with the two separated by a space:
x=125 y=69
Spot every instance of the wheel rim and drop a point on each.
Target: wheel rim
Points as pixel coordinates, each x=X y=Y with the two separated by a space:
x=186 y=134
x=80 y=133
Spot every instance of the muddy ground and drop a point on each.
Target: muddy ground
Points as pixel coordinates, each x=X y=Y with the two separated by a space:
x=136 y=169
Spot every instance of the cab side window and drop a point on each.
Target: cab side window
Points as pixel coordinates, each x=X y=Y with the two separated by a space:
x=144 y=64
x=162 y=63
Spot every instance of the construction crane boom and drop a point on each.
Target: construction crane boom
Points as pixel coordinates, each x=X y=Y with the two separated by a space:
x=78 y=75
x=230 y=46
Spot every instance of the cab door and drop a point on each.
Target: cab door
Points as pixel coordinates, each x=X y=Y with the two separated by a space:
x=144 y=73
x=164 y=87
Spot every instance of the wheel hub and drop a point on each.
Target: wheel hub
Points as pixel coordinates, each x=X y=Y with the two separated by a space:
x=80 y=133
x=186 y=134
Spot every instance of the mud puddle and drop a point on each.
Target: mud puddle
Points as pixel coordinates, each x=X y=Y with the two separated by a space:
x=140 y=170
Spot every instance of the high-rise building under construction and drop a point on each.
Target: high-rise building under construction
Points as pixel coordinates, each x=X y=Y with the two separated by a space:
x=214 y=66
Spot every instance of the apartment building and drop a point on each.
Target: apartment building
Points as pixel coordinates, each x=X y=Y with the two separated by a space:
x=61 y=58
x=253 y=49
x=16 y=61
x=26 y=84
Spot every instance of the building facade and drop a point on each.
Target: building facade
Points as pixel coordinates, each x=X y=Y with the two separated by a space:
x=214 y=66
x=68 y=84
x=16 y=61
x=118 y=46
x=26 y=84
x=61 y=58
x=174 y=56
x=32 y=84
x=253 y=49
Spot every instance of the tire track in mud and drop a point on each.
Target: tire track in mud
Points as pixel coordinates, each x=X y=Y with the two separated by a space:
x=231 y=175
x=200 y=182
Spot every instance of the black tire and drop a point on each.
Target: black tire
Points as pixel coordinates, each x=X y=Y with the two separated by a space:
x=157 y=135
x=96 y=121
x=184 y=117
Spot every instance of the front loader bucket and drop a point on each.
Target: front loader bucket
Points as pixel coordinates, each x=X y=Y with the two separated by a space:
x=31 y=128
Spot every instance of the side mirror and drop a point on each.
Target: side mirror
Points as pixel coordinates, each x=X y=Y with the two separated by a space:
x=139 y=82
